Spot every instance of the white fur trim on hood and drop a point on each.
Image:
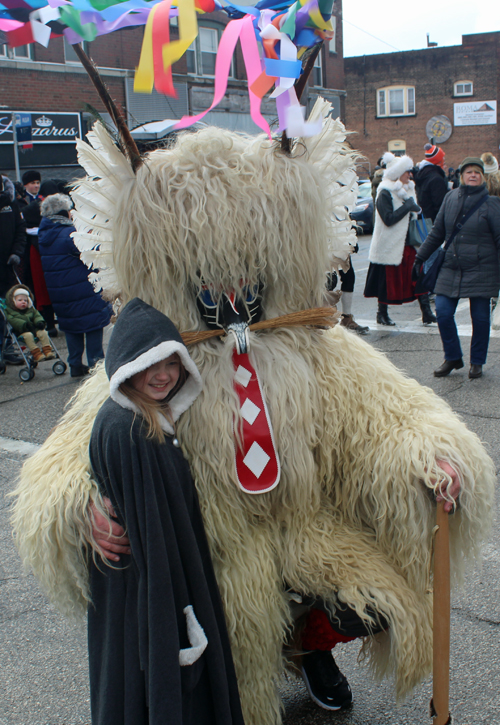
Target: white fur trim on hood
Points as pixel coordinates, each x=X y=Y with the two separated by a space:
x=181 y=400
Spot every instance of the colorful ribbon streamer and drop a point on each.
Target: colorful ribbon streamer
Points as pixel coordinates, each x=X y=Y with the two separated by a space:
x=282 y=30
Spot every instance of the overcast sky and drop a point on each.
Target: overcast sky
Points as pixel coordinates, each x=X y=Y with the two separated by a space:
x=405 y=25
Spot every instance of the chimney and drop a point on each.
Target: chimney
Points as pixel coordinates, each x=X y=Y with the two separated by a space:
x=429 y=44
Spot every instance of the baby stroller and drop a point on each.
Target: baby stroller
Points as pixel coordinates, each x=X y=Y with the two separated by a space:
x=26 y=373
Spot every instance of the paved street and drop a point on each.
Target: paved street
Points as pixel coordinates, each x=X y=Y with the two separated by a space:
x=43 y=675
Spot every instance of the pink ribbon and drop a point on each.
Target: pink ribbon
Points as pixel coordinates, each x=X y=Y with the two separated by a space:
x=244 y=31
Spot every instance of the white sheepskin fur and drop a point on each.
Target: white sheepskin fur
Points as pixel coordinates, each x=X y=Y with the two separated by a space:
x=352 y=517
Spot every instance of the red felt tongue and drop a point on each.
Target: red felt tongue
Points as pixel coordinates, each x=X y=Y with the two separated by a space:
x=257 y=462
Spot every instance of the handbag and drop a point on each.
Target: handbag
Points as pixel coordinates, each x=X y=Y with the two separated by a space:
x=427 y=280
x=418 y=230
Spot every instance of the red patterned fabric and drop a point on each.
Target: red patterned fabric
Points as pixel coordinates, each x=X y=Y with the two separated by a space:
x=400 y=287
x=257 y=462
x=319 y=633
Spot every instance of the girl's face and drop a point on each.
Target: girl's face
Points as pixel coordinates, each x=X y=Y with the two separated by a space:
x=157 y=381
x=405 y=178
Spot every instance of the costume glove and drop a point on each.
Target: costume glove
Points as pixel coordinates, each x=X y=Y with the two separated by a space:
x=415 y=271
x=14 y=260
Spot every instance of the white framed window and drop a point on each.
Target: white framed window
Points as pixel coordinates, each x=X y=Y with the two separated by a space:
x=463 y=88
x=201 y=54
x=22 y=52
x=69 y=52
x=317 y=71
x=396 y=101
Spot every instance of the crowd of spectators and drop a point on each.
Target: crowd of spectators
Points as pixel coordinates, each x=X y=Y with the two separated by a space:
x=38 y=255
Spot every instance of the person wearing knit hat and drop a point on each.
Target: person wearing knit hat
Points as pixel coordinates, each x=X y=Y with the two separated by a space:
x=470 y=220
x=491 y=174
x=434 y=154
x=391 y=256
x=431 y=181
x=27 y=322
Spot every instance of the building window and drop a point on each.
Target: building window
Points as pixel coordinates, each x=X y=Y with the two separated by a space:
x=332 y=44
x=69 y=52
x=463 y=88
x=22 y=52
x=396 y=101
x=317 y=72
x=201 y=54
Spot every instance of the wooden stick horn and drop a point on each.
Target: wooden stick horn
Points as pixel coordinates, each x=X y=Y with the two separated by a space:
x=440 y=703
x=129 y=145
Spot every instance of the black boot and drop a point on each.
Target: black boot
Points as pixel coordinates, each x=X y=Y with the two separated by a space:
x=446 y=368
x=383 y=316
x=326 y=684
x=428 y=315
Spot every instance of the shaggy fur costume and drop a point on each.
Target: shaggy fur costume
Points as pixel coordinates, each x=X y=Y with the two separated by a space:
x=352 y=517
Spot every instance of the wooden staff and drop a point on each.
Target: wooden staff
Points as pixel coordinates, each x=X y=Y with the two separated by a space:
x=440 y=703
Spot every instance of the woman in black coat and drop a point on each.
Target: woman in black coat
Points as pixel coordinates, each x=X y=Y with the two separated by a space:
x=471 y=267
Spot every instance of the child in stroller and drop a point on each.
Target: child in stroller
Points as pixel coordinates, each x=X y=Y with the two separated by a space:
x=27 y=322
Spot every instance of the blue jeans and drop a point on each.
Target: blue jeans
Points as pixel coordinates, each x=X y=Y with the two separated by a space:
x=77 y=341
x=480 y=315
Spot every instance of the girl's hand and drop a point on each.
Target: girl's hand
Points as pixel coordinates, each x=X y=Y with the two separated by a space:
x=108 y=534
x=453 y=490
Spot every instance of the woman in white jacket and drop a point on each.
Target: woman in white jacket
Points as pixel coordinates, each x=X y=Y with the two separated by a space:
x=391 y=257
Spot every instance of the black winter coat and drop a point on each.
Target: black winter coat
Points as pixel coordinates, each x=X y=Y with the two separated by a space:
x=12 y=239
x=471 y=267
x=432 y=187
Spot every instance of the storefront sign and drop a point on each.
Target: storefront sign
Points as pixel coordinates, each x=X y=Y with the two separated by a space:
x=475 y=113
x=47 y=127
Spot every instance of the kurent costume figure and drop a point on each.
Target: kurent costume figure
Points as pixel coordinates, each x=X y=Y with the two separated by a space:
x=315 y=459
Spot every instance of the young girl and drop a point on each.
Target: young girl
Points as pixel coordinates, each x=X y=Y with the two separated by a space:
x=158 y=646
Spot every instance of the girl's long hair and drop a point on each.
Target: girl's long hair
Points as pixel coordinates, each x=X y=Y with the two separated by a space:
x=150 y=410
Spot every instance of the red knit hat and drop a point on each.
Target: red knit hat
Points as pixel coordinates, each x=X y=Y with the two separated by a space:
x=434 y=154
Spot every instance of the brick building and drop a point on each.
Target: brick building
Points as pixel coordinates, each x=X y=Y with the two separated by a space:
x=398 y=101
x=52 y=85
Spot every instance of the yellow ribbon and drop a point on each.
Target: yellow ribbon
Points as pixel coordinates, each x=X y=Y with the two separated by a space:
x=144 y=73
x=188 y=30
x=171 y=52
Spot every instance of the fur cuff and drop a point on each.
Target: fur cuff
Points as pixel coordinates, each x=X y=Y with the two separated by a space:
x=197 y=639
